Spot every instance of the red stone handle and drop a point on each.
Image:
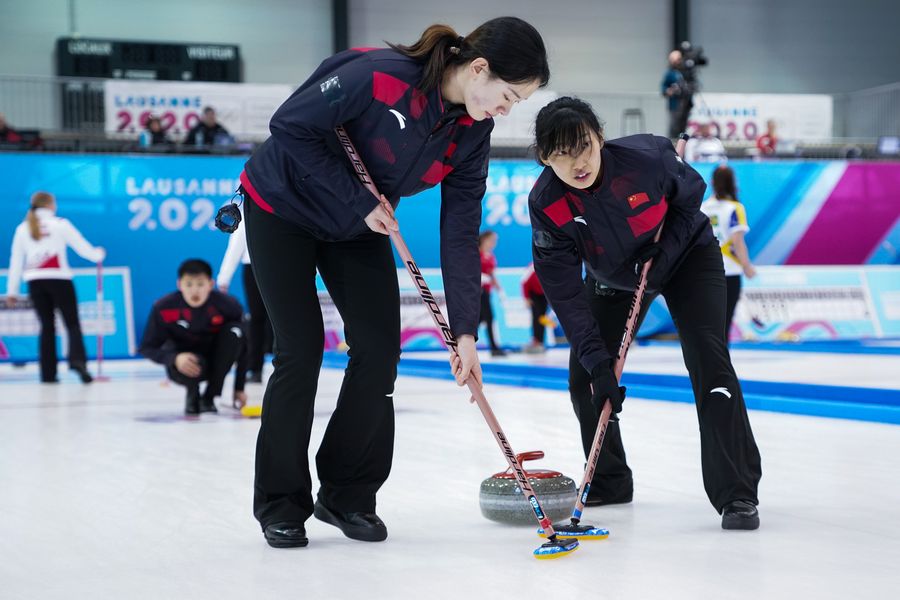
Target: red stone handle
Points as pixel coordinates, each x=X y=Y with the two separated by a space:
x=530 y=455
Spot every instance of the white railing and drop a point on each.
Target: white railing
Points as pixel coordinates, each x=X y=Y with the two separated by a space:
x=868 y=113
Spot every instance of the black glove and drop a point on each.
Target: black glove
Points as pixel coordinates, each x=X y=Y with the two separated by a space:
x=652 y=251
x=605 y=386
x=645 y=253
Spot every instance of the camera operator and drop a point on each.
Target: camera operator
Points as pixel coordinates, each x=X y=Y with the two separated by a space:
x=672 y=86
x=680 y=83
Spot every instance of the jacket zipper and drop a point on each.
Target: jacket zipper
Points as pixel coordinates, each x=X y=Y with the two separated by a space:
x=611 y=229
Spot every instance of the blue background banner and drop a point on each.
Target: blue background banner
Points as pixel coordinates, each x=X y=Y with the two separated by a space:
x=152 y=212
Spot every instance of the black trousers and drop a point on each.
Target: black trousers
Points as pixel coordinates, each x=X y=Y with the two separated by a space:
x=260 y=329
x=355 y=457
x=733 y=294
x=48 y=295
x=729 y=457
x=215 y=361
x=538 y=310
x=486 y=316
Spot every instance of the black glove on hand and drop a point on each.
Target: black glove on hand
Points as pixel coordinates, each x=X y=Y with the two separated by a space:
x=652 y=251
x=645 y=253
x=605 y=386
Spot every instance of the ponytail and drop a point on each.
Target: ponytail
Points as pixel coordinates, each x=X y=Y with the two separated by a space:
x=514 y=51
x=38 y=200
x=435 y=48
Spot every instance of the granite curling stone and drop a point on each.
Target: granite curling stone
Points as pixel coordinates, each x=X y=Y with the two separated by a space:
x=501 y=499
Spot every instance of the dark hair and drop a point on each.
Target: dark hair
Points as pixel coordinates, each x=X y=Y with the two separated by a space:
x=194 y=266
x=724 y=186
x=513 y=49
x=152 y=119
x=208 y=109
x=562 y=124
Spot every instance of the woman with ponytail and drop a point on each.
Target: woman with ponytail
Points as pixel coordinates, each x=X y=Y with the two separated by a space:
x=419 y=115
x=39 y=257
x=728 y=218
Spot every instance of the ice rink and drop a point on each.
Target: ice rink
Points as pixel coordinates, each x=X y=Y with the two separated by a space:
x=107 y=491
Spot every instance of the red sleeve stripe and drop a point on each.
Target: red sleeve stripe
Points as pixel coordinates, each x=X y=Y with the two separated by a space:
x=559 y=212
x=387 y=88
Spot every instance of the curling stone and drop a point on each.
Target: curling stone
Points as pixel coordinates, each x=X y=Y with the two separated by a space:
x=252 y=410
x=501 y=499
x=787 y=336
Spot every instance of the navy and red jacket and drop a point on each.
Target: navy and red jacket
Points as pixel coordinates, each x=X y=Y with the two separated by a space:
x=409 y=141
x=602 y=229
x=174 y=326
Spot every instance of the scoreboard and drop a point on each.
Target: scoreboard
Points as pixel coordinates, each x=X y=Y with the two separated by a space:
x=118 y=59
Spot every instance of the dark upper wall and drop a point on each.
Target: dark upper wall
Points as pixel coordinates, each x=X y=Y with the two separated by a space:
x=281 y=41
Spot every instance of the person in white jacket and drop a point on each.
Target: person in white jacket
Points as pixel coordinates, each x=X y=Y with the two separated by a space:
x=260 y=329
x=39 y=257
x=704 y=147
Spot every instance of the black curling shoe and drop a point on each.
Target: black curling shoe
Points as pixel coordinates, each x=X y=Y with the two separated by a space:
x=286 y=535
x=83 y=373
x=208 y=405
x=740 y=514
x=598 y=498
x=366 y=527
x=192 y=402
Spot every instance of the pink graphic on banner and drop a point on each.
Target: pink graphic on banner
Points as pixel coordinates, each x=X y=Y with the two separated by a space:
x=333 y=340
x=793 y=331
x=858 y=214
x=801 y=327
x=410 y=335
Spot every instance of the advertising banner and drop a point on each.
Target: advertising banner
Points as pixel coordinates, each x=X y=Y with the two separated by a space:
x=742 y=117
x=244 y=109
x=789 y=303
x=153 y=212
x=19 y=326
